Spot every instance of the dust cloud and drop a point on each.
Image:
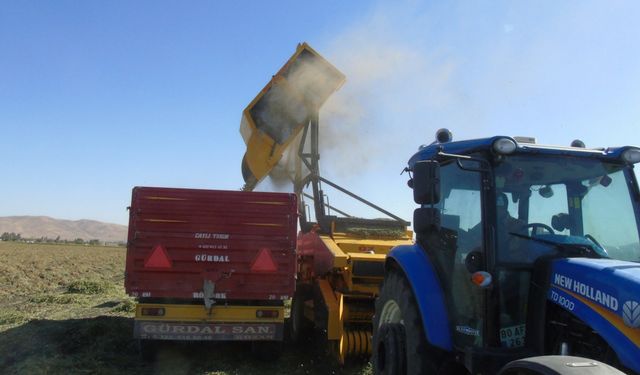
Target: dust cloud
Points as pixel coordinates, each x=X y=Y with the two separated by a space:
x=391 y=86
x=391 y=82
x=281 y=177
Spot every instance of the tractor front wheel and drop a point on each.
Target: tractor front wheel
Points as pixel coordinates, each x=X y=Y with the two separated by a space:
x=399 y=342
x=390 y=350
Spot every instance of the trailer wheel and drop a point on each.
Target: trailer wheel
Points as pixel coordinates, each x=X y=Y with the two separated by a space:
x=558 y=365
x=395 y=306
x=299 y=326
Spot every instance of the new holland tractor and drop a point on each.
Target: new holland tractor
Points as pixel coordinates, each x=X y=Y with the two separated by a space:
x=522 y=250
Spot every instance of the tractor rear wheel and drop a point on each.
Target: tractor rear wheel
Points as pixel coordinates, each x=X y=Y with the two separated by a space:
x=399 y=342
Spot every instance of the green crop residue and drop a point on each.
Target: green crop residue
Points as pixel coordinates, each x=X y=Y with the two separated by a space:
x=11 y=317
x=127 y=305
x=87 y=287
x=386 y=233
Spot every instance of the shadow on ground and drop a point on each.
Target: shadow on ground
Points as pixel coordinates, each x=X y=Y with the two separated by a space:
x=104 y=345
x=97 y=345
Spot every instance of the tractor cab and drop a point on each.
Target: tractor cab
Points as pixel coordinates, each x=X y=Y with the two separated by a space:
x=492 y=210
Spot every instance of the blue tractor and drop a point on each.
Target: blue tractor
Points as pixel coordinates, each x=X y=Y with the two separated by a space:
x=522 y=250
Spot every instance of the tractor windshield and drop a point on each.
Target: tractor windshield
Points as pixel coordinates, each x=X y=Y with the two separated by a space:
x=574 y=202
x=570 y=206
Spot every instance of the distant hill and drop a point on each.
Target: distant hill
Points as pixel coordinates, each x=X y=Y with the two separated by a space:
x=43 y=226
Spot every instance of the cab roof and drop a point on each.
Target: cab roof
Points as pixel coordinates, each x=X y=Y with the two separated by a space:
x=467 y=147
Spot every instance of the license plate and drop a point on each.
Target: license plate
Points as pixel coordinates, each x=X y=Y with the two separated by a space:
x=513 y=337
x=207 y=331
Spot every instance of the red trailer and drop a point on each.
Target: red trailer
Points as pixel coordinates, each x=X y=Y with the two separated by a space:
x=210 y=264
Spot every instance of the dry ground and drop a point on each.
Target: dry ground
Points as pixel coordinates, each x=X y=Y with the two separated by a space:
x=63 y=310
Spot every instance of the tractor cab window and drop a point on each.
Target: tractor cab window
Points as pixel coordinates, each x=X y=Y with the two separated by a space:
x=547 y=202
x=555 y=204
x=608 y=216
x=459 y=240
x=532 y=213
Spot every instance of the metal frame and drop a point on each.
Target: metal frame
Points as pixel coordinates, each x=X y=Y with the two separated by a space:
x=311 y=161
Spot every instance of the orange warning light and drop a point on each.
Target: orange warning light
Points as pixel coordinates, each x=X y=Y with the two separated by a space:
x=482 y=279
x=158 y=258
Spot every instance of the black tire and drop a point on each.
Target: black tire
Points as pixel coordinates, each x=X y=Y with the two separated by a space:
x=418 y=358
x=300 y=328
x=390 y=351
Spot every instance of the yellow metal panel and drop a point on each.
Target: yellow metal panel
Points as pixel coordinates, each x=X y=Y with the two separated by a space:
x=370 y=286
x=333 y=301
x=367 y=257
x=354 y=245
x=340 y=259
x=371 y=289
x=263 y=153
x=198 y=313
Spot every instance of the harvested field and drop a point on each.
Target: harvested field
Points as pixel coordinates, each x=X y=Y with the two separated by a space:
x=63 y=310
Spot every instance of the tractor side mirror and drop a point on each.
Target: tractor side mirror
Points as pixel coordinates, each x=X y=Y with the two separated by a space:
x=426 y=182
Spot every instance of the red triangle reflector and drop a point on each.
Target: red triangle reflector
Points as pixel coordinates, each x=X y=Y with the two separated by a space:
x=264 y=262
x=158 y=258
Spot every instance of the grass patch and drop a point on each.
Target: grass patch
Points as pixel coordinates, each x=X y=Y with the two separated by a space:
x=63 y=310
x=59 y=299
x=88 y=287
x=127 y=306
x=12 y=317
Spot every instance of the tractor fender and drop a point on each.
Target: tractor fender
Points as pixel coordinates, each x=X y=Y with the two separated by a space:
x=558 y=365
x=427 y=290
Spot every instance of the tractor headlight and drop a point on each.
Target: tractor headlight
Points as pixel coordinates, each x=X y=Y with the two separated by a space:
x=504 y=146
x=631 y=155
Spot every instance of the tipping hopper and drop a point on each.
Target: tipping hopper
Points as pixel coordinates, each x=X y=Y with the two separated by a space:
x=281 y=110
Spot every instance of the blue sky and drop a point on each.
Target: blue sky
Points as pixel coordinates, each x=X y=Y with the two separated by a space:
x=98 y=97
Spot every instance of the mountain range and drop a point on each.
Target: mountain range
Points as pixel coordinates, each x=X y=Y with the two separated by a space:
x=44 y=226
